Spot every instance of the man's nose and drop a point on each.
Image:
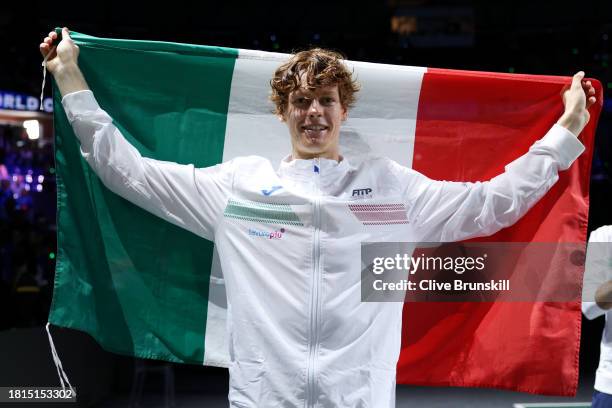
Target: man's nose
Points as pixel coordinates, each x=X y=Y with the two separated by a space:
x=315 y=108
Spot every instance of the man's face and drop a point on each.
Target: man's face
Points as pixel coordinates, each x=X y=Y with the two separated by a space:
x=314 y=118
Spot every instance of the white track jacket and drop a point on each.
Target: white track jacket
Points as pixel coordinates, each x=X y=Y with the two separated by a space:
x=289 y=245
x=598 y=271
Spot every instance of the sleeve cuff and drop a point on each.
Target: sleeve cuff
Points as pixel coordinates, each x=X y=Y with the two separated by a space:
x=78 y=103
x=591 y=310
x=565 y=143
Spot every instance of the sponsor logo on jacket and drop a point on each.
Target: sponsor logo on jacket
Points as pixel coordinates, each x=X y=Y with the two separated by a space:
x=362 y=192
x=278 y=234
x=271 y=190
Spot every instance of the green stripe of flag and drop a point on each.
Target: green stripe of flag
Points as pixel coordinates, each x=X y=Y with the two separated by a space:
x=170 y=101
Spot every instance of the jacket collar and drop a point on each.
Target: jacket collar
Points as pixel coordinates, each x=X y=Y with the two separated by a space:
x=306 y=169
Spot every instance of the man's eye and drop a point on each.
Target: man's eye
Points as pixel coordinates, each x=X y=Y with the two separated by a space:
x=328 y=100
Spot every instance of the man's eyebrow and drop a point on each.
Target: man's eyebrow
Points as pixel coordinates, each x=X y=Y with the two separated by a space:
x=310 y=94
x=329 y=92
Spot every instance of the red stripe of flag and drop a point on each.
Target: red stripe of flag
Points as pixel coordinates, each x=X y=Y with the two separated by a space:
x=469 y=126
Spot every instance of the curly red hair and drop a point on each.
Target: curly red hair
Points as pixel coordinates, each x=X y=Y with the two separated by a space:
x=317 y=67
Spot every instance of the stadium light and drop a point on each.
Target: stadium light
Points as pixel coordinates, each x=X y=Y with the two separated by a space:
x=32 y=128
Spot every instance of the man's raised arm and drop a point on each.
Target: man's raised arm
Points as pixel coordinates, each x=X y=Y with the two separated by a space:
x=63 y=62
x=451 y=211
x=181 y=194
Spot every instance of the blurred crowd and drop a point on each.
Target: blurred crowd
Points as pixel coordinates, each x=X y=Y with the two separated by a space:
x=27 y=228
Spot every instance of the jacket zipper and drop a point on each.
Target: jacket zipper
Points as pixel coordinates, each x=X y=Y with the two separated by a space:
x=314 y=302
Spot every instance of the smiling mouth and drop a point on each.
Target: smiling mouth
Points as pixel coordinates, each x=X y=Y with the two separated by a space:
x=314 y=128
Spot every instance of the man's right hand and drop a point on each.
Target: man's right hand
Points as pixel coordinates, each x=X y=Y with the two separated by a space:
x=64 y=55
x=62 y=62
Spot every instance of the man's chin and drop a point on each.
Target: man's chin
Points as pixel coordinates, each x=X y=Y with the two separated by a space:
x=313 y=148
x=311 y=151
x=313 y=144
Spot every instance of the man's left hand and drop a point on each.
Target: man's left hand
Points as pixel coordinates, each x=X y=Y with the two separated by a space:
x=577 y=98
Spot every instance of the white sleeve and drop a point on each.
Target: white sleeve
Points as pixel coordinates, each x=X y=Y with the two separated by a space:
x=591 y=310
x=192 y=198
x=444 y=211
x=597 y=270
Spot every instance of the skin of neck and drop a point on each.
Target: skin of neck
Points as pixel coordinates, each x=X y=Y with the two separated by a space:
x=332 y=154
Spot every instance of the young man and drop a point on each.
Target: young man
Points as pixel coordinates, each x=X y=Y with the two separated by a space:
x=299 y=333
x=598 y=302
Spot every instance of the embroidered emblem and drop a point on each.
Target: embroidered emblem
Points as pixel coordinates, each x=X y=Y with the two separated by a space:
x=261 y=212
x=379 y=214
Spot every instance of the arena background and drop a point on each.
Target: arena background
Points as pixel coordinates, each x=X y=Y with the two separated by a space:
x=553 y=38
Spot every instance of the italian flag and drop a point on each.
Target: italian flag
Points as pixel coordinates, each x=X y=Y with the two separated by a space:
x=143 y=287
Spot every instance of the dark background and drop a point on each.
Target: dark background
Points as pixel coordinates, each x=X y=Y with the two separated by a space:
x=552 y=38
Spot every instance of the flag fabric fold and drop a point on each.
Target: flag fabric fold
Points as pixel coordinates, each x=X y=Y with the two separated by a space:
x=143 y=287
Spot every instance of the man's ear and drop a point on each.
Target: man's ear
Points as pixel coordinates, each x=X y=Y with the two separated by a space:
x=344 y=114
x=281 y=118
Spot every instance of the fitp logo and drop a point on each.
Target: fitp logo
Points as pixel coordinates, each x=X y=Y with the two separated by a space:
x=362 y=192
